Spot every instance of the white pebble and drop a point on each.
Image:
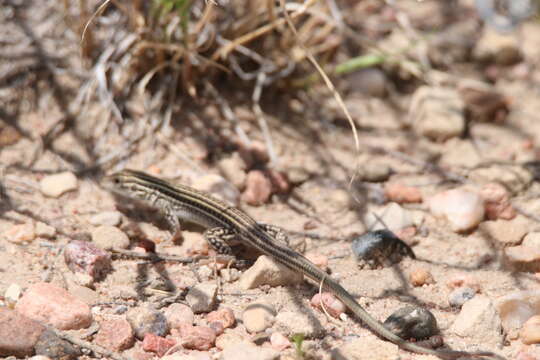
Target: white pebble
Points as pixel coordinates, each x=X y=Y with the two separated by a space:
x=57 y=184
x=44 y=230
x=12 y=294
x=463 y=209
x=111 y=218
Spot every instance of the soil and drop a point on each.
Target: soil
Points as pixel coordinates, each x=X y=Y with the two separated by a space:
x=43 y=131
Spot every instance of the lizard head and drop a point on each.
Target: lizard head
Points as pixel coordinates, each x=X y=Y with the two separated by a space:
x=127 y=183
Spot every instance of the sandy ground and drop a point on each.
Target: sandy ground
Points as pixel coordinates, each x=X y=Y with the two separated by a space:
x=310 y=138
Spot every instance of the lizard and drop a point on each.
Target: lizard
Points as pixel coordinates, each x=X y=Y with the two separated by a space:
x=225 y=223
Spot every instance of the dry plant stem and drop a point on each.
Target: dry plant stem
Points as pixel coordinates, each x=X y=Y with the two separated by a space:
x=164 y=257
x=229 y=114
x=96 y=349
x=224 y=51
x=261 y=119
x=98 y=12
x=332 y=88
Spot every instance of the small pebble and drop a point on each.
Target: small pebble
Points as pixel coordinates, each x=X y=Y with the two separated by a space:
x=463 y=209
x=375 y=172
x=230 y=338
x=85 y=257
x=498 y=48
x=45 y=231
x=144 y=320
x=217 y=327
x=157 y=344
x=202 y=297
x=267 y=271
x=234 y=170
x=497 y=202
x=394 y=217
x=18 y=333
x=530 y=331
x=412 y=322
x=296 y=322
x=516 y=308
x=178 y=314
x=229 y=275
x=523 y=258
x=53 y=305
x=21 y=233
x=248 y=351
x=12 y=295
x=57 y=184
x=463 y=280
x=49 y=344
x=460 y=296
x=115 y=335
x=280 y=183
x=279 y=341
x=196 y=337
x=515 y=178
x=420 y=277
x=109 y=218
x=402 y=194
x=369 y=81
x=332 y=305
x=504 y=232
x=258 y=317
x=258 y=188
x=254 y=153
x=225 y=316
x=437 y=113
x=108 y=237
x=478 y=321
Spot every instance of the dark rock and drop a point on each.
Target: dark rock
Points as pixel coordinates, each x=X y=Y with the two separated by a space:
x=412 y=322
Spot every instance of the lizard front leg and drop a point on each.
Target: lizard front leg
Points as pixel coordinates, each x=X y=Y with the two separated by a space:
x=221 y=239
x=174 y=224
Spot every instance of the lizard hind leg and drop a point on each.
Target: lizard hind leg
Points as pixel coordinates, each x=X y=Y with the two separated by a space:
x=277 y=233
x=220 y=238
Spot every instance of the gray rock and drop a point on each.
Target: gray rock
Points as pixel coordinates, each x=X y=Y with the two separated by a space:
x=202 y=297
x=49 y=344
x=460 y=296
x=437 y=113
x=375 y=172
x=144 y=320
x=412 y=322
x=479 y=322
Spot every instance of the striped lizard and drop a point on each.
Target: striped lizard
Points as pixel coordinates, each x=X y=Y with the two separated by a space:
x=225 y=223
